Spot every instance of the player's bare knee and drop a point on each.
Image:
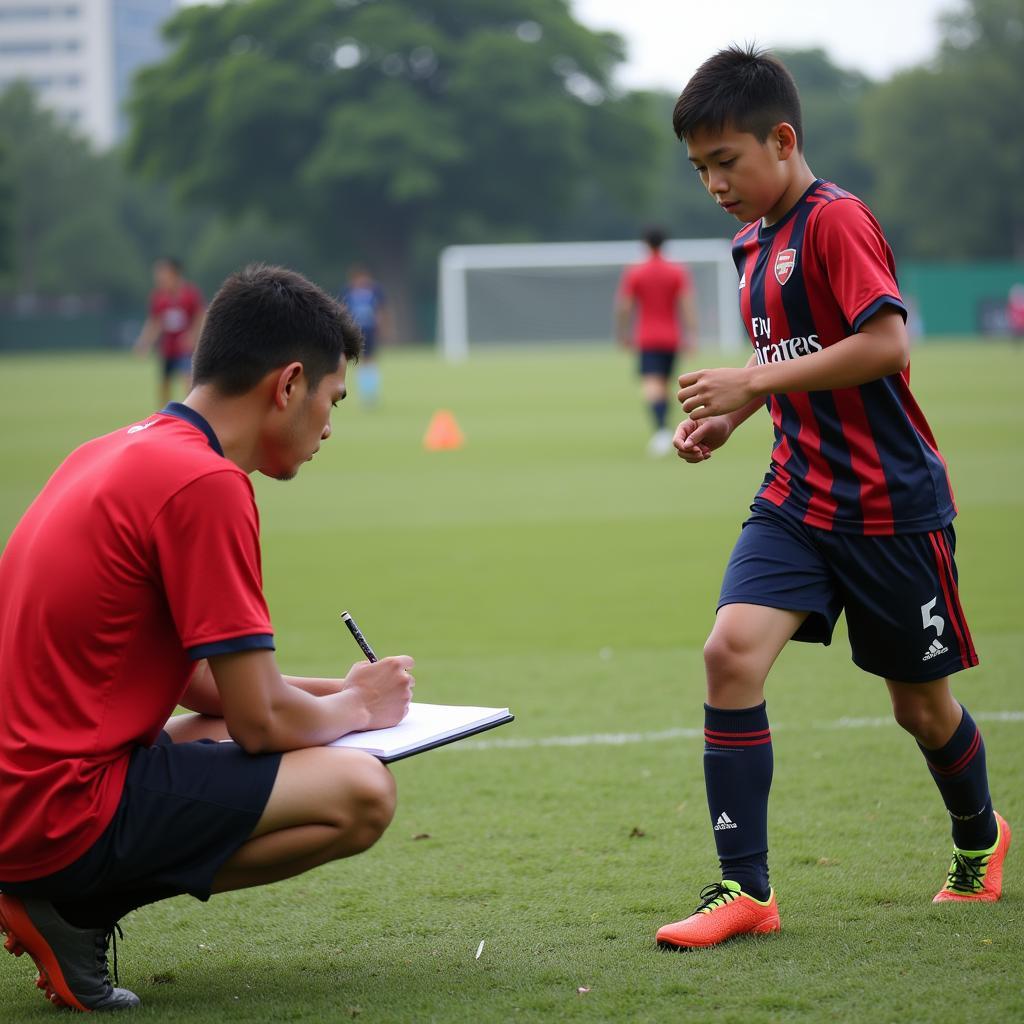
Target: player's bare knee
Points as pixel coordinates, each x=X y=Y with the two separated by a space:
x=371 y=796
x=724 y=659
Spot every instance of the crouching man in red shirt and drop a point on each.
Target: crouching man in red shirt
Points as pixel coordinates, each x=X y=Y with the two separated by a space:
x=132 y=584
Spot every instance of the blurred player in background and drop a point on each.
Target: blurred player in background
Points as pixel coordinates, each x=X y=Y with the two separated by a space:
x=1015 y=314
x=855 y=513
x=365 y=300
x=175 y=317
x=658 y=296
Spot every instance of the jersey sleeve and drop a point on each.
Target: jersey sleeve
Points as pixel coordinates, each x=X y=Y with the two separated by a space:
x=858 y=262
x=207 y=548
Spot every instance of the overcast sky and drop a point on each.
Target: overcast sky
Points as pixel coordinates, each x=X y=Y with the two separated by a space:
x=668 y=39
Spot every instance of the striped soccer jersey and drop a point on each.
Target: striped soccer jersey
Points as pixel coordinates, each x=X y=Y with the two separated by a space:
x=854 y=460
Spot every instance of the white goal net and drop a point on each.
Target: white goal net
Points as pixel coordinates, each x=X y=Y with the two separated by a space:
x=557 y=292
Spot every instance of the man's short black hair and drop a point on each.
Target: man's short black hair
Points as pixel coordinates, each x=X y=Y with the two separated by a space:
x=655 y=237
x=745 y=88
x=173 y=262
x=264 y=317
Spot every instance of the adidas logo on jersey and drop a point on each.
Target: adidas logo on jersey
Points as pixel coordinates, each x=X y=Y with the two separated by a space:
x=743 y=280
x=724 y=822
x=935 y=650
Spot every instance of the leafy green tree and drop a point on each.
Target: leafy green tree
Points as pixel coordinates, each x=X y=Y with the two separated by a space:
x=383 y=131
x=66 y=235
x=946 y=141
x=222 y=246
x=832 y=100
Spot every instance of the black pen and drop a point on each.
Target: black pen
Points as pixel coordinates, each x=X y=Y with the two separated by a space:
x=358 y=634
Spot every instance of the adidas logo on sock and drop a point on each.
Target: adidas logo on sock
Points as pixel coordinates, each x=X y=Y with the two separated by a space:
x=935 y=650
x=724 y=821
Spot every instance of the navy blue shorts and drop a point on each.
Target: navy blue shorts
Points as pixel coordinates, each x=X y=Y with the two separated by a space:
x=185 y=809
x=177 y=364
x=657 y=364
x=899 y=593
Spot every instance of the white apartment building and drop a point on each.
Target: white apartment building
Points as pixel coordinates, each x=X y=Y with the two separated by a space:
x=80 y=55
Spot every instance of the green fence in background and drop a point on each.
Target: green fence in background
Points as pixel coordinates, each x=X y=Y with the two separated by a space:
x=25 y=332
x=945 y=299
x=959 y=299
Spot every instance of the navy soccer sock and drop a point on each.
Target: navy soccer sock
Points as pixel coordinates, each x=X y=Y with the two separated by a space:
x=959 y=771
x=659 y=413
x=738 y=776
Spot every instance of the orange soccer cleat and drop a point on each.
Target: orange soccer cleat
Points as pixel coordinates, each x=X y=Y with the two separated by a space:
x=725 y=912
x=977 y=875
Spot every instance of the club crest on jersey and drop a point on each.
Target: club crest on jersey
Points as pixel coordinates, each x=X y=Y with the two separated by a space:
x=785 y=262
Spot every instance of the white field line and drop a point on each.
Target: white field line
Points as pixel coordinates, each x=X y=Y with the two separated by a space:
x=619 y=739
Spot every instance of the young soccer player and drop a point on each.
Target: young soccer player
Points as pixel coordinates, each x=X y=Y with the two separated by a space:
x=132 y=584
x=175 y=317
x=659 y=296
x=855 y=511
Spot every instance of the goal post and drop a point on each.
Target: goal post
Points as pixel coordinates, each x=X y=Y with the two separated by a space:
x=556 y=292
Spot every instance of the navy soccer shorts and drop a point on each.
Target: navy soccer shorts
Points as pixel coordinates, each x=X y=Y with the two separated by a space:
x=657 y=363
x=176 y=364
x=899 y=593
x=185 y=809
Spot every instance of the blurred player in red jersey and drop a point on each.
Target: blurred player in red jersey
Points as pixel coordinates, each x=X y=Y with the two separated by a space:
x=132 y=585
x=855 y=513
x=658 y=295
x=175 y=317
x=1015 y=314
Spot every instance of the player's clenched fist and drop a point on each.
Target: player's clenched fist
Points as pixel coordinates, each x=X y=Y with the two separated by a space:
x=695 y=440
x=384 y=688
x=705 y=393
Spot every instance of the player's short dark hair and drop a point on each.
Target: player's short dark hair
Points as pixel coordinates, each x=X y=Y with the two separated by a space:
x=744 y=87
x=264 y=317
x=655 y=236
x=173 y=262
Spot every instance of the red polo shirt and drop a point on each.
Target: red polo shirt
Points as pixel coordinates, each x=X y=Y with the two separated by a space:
x=656 y=286
x=140 y=556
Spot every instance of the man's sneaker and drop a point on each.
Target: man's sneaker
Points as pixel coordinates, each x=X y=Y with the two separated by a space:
x=72 y=962
x=977 y=875
x=725 y=912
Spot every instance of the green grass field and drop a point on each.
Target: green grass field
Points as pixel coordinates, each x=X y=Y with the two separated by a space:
x=551 y=567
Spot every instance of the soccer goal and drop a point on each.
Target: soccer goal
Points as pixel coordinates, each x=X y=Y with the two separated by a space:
x=555 y=292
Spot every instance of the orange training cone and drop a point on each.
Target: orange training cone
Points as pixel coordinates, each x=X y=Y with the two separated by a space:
x=443 y=434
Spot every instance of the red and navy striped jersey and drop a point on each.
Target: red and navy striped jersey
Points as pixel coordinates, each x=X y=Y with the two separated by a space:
x=854 y=460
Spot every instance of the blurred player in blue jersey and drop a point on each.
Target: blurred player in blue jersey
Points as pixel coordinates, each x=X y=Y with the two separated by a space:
x=855 y=512
x=365 y=301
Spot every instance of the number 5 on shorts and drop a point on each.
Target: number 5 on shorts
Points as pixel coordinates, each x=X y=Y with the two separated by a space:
x=932 y=620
